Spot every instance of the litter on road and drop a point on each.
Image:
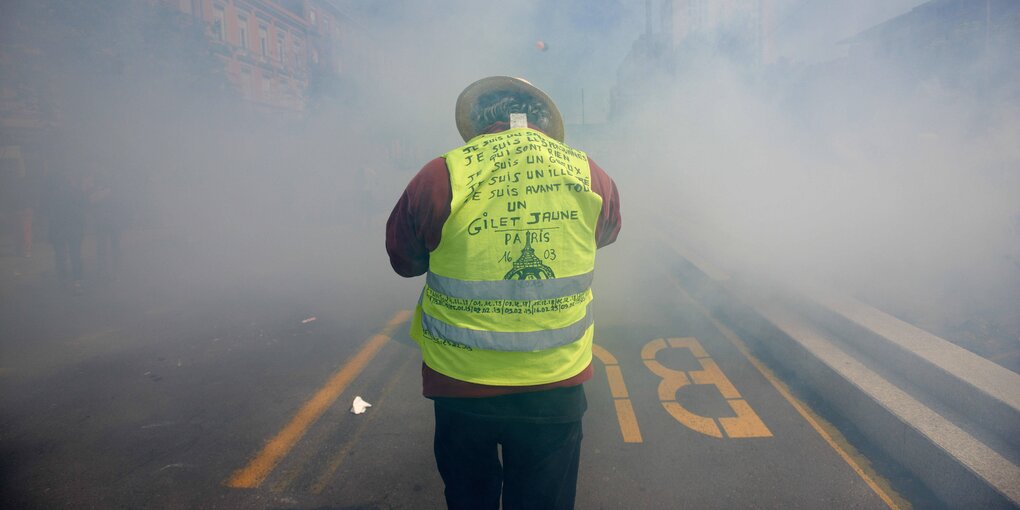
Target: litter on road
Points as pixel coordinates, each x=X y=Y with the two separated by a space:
x=359 y=406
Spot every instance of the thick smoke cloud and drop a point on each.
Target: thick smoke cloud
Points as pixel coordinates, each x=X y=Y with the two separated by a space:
x=889 y=172
x=890 y=176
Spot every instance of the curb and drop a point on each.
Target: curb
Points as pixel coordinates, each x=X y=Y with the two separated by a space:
x=949 y=416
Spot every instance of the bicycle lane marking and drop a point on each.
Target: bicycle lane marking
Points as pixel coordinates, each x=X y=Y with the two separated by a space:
x=338 y=458
x=823 y=428
x=745 y=423
x=258 y=468
x=621 y=398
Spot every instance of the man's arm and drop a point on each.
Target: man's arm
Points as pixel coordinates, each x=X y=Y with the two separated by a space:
x=415 y=226
x=609 y=222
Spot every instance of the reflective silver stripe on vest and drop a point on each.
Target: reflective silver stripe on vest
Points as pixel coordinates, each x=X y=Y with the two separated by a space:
x=507 y=340
x=523 y=290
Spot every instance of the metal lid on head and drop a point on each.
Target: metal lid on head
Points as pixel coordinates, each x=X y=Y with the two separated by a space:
x=480 y=94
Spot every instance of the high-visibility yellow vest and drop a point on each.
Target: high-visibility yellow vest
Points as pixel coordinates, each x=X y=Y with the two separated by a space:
x=507 y=298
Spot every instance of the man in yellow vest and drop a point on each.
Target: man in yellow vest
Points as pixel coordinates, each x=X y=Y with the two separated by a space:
x=505 y=229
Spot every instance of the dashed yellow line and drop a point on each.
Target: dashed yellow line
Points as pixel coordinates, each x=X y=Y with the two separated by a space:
x=256 y=471
x=84 y=339
x=338 y=459
x=621 y=400
x=826 y=431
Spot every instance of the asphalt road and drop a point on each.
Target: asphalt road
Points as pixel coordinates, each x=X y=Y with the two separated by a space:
x=199 y=379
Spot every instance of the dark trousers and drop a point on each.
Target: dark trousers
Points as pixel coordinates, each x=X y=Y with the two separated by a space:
x=539 y=468
x=107 y=250
x=67 y=249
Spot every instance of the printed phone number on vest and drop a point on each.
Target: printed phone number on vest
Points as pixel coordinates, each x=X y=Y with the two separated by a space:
x=506 y=306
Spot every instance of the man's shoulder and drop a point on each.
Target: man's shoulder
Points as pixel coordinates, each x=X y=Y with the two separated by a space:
x=432 y=177
x=434 y=169
x=597 y=170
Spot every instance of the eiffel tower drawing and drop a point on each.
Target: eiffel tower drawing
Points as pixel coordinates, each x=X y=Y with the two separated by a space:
x=528 y=266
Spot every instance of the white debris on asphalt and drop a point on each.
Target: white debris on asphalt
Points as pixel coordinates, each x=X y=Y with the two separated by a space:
x=159 y=424
x=359 y=406
x=310 y=319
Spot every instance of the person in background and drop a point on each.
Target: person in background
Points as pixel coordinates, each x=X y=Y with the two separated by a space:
x=64 y=205
x=109 y=214
x=505 y=228
x=18 y=199
x=27 y=204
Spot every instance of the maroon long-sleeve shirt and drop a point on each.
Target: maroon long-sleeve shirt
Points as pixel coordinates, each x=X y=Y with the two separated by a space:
x=415 y=228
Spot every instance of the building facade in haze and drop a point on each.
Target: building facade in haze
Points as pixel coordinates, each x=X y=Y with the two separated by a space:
x=739 y=29
x=275 y=52
x=689 y=34
x=973 y=45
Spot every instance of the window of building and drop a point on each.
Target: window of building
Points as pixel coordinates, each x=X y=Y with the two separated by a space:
x=218 y=27
x=246 y=84
x=281 y=47
x=312 y=17
x=263 y=40
x=242 y=31
x=325 y=26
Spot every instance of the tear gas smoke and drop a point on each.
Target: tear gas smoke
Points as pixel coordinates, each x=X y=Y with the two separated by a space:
x=892 y=175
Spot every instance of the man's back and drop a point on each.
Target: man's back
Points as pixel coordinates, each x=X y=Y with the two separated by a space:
x=506 y=229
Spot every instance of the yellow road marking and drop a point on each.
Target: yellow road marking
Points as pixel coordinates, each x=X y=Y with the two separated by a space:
x=603 y=355
x=628 y=421
x=712 y=374
x=649 y=350
x=92 y=336
x=253 y=474
x=341 y=456
x=616 y=385
x=745 y=424
x=624 y=410
x=692 y=421
x=690 y=343
x=892 y=501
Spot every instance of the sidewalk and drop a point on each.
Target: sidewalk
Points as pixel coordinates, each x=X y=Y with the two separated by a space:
x=17 y=273
x=15 y=269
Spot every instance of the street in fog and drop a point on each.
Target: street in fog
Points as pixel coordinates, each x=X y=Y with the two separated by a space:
x=159 y=395
x=811 y=302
